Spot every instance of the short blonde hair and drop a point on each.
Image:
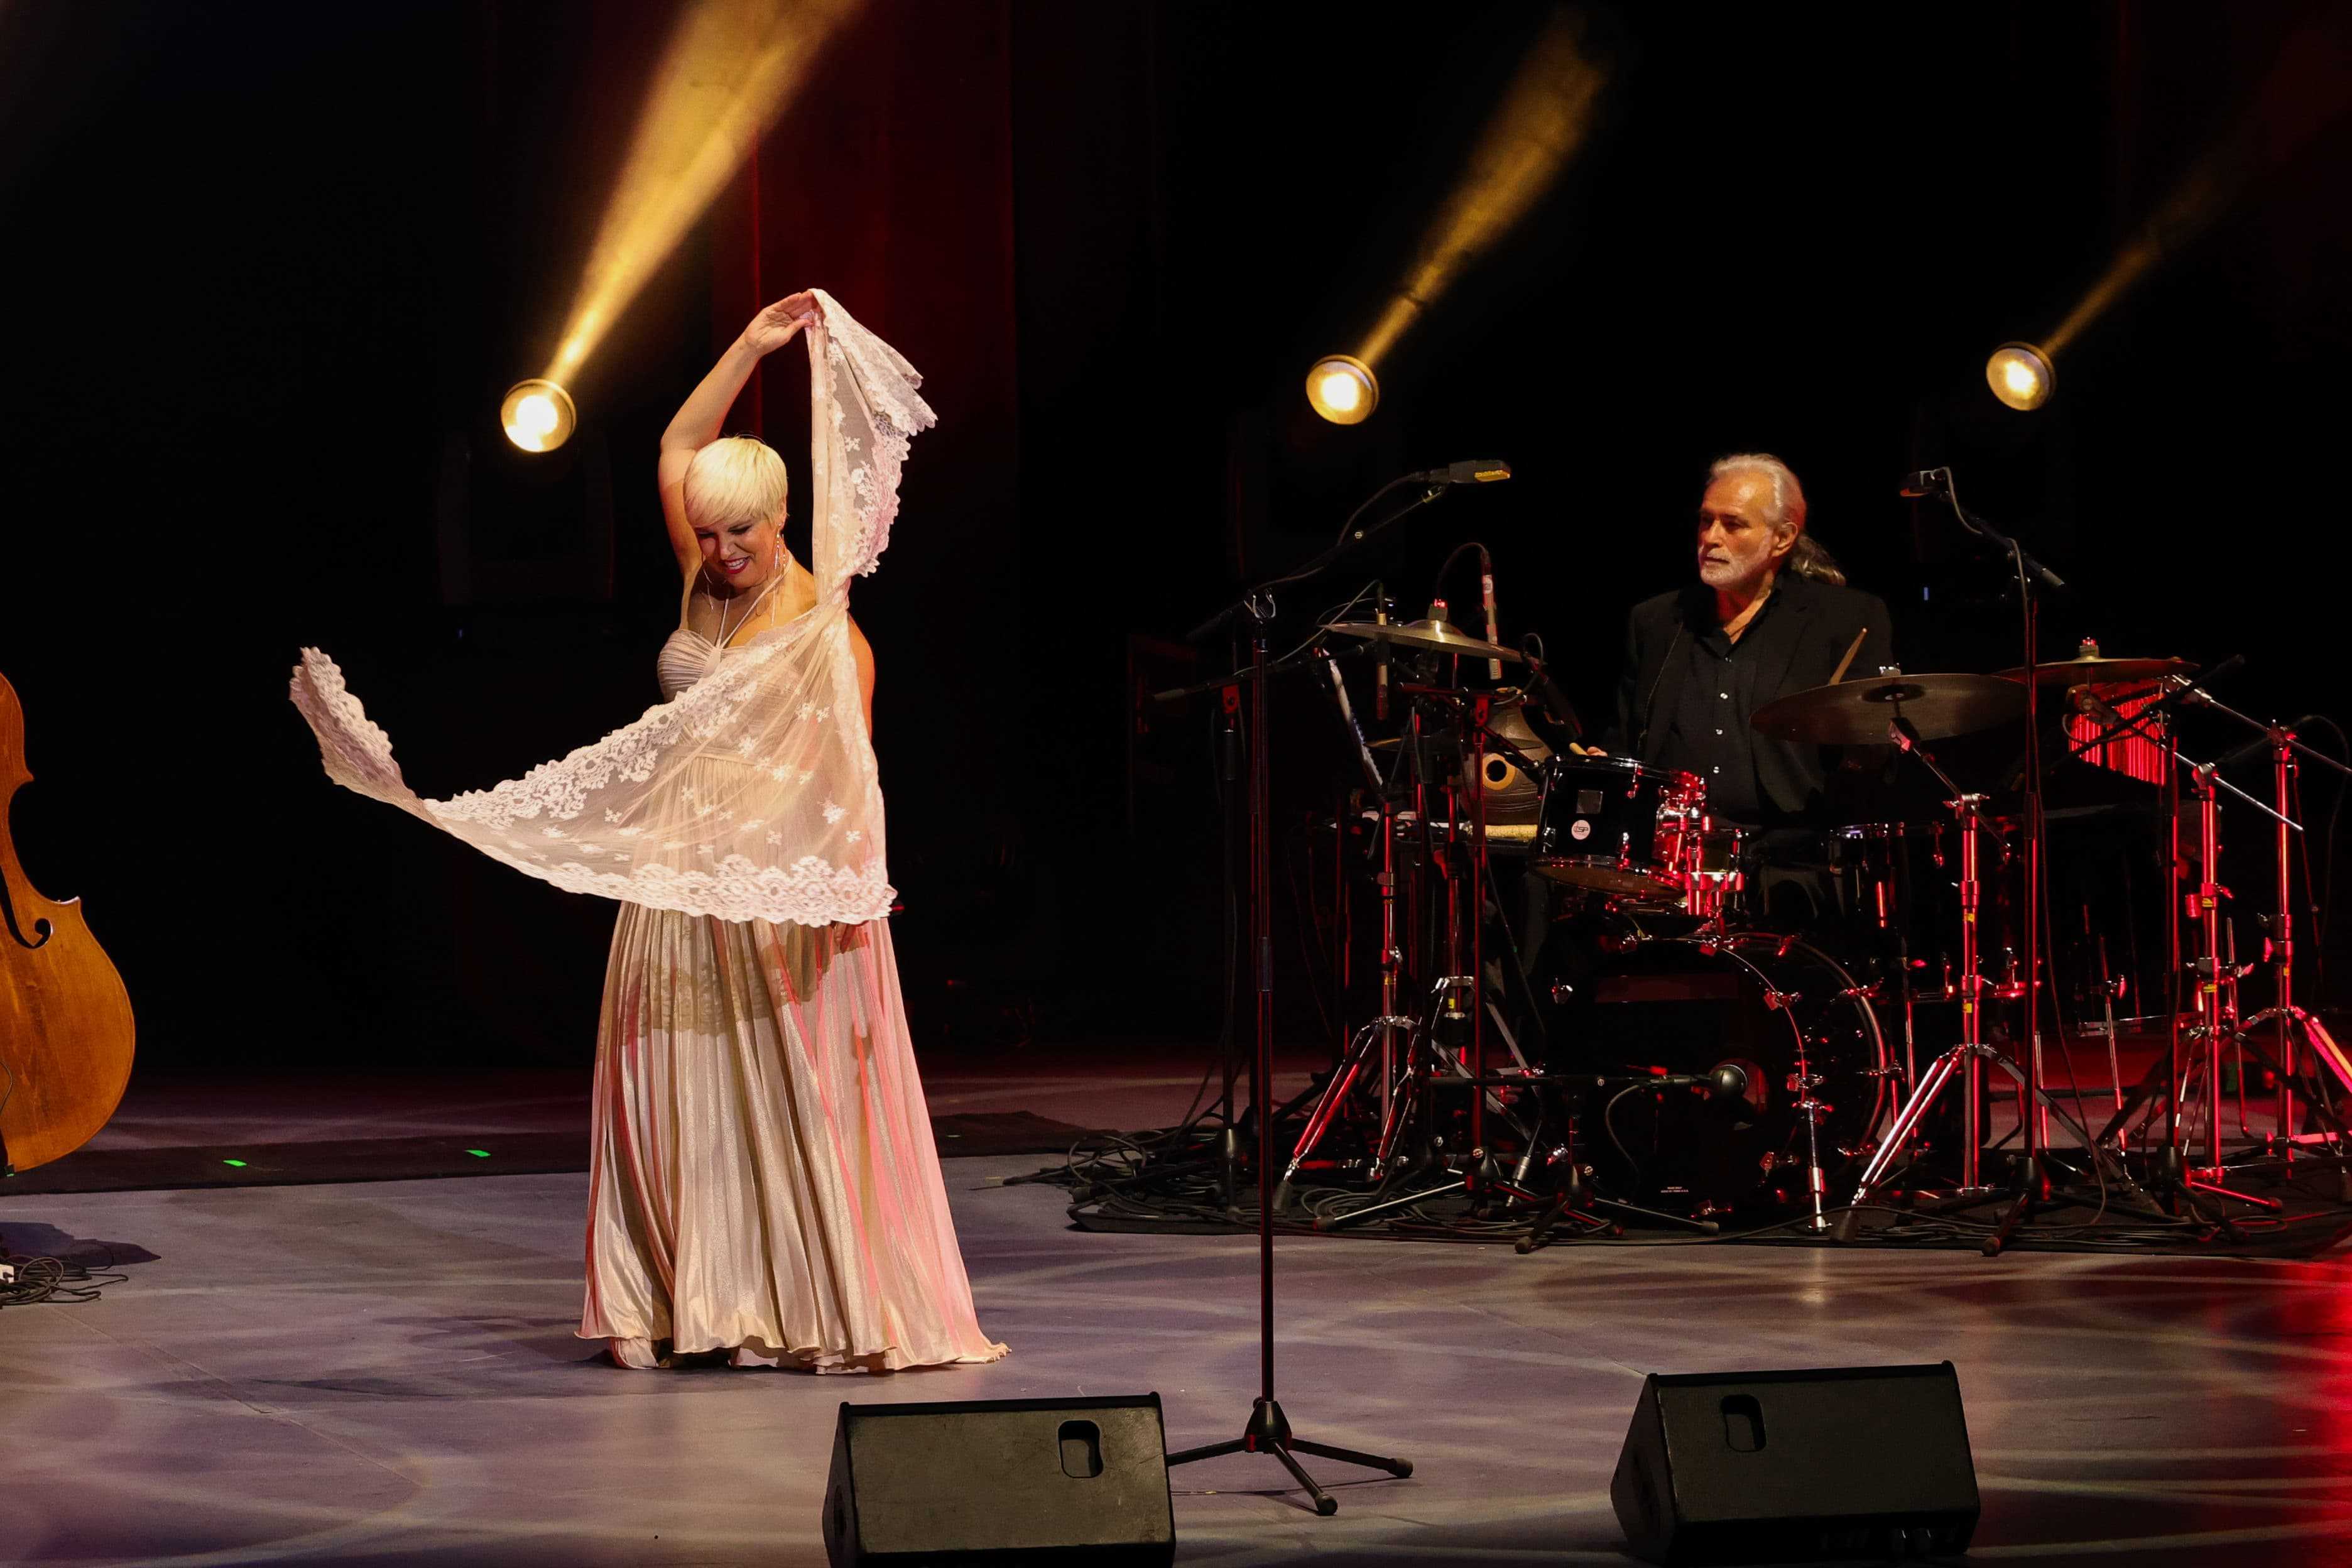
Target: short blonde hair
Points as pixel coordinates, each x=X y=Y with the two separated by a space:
x=735 y=479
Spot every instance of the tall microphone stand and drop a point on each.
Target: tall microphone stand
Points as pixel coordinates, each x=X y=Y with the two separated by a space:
x=2033 y=1173
x=1268 y=1429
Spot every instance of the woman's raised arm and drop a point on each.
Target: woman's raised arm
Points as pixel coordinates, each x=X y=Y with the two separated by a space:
x=699 y=419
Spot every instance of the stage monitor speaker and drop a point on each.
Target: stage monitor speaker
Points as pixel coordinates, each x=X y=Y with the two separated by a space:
x=1001 y=1481
x=1798 y=1467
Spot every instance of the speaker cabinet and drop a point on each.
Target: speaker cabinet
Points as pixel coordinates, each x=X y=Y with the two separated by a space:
x=1798 y=1467
x=1001 y=1481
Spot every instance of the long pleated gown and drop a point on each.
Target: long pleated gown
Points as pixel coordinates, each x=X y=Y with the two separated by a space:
x=765 y=1180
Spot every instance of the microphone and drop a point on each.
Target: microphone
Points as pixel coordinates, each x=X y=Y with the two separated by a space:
x=1381 y=654
x=1475 y=471
x=1555 y=701
x=2191 y=689
x=1725 y=1080
x=2090 y=704
x=1486 y=594
x=2227 y=667
x=1927 y=482
x=1347 y=717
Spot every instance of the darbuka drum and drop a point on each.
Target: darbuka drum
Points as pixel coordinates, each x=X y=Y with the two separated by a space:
x=1514 y=794
x=1795 y=1022
x=1613 y=826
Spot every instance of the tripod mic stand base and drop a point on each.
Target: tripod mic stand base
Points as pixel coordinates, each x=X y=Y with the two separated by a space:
x=1269 y=1432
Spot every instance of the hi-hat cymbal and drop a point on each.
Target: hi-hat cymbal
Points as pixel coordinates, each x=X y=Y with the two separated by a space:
x=2095 y=671
x=1856 y=712
x=1436 y=636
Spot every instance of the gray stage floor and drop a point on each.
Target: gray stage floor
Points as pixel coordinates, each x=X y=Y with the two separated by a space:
x=384 y=1373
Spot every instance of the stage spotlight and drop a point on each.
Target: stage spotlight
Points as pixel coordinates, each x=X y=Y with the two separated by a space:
x=2021 y=375
x=538 y=415
x=1343 y=389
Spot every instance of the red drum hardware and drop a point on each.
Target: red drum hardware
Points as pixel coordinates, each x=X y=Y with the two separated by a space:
x=1599 y=1002
x=1610 y=825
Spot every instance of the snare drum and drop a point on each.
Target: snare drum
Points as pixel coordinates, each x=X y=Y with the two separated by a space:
x=1615 y=826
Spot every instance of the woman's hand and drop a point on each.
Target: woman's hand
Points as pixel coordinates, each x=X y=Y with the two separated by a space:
x=777 y=325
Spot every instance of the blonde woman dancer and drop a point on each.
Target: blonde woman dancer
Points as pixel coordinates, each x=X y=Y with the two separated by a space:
x=764 y=1186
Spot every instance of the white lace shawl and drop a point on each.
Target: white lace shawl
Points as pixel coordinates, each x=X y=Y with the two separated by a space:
x=754 y=793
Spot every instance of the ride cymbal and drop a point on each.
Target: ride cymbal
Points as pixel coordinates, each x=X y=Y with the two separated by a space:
x=2095 y=671
x=1856 y=712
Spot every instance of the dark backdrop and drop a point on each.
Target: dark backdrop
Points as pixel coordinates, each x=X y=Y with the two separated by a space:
x=268 y=268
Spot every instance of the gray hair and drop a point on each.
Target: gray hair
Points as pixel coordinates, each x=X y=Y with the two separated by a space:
x=1807 y=558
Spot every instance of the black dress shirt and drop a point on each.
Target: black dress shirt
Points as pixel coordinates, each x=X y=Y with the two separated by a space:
x=1679 y=665
x=1708 y=732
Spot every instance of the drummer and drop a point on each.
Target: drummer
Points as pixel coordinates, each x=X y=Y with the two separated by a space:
x=1770 y=614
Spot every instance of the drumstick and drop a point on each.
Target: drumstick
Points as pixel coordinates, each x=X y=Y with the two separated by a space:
x=1852 y=649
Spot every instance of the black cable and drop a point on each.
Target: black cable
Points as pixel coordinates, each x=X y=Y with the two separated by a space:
x=1304 y=914
x=1609 y=1124
x=2322 y=893
x=68 y=1279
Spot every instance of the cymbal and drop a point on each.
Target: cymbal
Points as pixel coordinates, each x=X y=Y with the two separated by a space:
x=2096 y=670
x=1435 y=636
x=1856 y=712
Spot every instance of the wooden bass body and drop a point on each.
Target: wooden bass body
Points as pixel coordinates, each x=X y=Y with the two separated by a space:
x=65 y=1030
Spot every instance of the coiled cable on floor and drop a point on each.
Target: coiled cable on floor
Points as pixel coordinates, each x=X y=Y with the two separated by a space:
x=54 y=1279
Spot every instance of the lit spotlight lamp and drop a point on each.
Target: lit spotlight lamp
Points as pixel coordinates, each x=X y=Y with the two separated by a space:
x=1343 y=389
x=537 y=416
x=2021 y=375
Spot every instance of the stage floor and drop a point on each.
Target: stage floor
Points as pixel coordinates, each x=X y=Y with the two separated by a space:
x=384 y=1373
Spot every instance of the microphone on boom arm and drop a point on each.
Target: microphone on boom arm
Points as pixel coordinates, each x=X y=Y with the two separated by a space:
x=1474 y=471
x=1922 y=484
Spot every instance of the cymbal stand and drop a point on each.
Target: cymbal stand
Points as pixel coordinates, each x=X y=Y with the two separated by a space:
x=2166 y=1081
x=2217 y=990
x=1427 y=1062
x=2294 y=1024
x=1967 y=1060
x=2214 y=1001
x=1383 y=1030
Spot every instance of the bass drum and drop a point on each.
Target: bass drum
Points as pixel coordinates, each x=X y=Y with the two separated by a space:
x=1798 y=1028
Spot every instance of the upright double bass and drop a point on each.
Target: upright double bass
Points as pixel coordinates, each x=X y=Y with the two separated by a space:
x=66 y=1031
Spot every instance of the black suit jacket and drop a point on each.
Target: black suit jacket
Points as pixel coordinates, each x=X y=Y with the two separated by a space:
x=1799 y=644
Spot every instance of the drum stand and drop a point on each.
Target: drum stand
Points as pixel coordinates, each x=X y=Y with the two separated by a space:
x=2216 y=980
x=1967 y=1060
x=2293 y=1024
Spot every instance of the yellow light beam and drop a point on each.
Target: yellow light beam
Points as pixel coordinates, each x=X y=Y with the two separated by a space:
x=1542 y=120
x=728 y=71
x=2307 y=86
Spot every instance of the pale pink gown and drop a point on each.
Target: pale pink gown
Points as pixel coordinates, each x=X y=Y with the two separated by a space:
x=765 y=1180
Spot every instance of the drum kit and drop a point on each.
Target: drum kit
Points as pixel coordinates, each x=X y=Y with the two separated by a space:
x=1597 y=1002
